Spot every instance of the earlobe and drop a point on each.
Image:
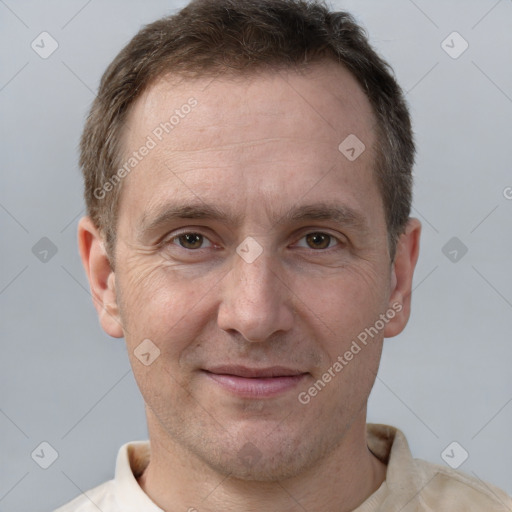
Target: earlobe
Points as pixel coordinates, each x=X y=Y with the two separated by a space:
x=407 y=252
x=101 y=277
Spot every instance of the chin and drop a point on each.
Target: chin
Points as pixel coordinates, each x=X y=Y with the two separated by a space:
x=264 y=460
x=264 y=469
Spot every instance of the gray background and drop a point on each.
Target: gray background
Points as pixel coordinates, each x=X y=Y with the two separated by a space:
x=446 y=378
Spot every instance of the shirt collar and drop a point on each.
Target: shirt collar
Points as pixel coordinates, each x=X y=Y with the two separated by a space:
x=403 y=480
x=131 y=461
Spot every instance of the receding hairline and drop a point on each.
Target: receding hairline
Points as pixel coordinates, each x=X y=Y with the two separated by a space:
x=176 y=78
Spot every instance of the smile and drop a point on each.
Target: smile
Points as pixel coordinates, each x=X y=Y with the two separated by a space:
x=255 y=382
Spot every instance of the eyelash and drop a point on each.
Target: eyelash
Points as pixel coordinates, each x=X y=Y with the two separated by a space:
x=176 y=237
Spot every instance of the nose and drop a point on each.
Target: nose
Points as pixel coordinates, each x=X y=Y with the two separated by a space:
x=255 y=303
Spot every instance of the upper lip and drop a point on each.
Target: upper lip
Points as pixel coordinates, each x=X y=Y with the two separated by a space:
x=244 y=371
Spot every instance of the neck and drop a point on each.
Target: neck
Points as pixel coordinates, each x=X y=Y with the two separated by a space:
x=175 y=479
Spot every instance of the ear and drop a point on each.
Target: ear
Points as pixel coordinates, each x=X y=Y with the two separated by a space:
x=406 y=256
x=101 y=277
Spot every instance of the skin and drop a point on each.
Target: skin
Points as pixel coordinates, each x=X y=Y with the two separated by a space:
x=256 y=148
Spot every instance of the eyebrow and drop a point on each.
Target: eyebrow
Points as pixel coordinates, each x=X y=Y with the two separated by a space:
x=173 y=213
x=340 y=214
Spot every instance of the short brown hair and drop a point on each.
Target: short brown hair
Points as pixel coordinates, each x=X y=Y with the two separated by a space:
x=208 y=37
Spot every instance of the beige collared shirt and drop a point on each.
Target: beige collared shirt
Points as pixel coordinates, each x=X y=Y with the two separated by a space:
x=410 y=485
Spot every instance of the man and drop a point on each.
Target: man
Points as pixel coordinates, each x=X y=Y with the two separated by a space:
x=247 y=174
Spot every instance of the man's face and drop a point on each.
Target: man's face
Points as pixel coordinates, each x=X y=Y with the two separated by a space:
x=255 y=157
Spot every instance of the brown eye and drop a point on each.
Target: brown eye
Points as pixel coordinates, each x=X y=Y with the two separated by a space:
x=318 y=240
x=190 y=240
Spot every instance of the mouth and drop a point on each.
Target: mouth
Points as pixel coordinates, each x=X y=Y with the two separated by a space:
x=255 y=382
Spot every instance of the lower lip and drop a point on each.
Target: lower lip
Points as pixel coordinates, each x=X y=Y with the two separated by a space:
x=256 y=387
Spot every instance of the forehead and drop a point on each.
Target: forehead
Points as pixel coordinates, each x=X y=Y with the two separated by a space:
x=273 y=135
x=325 y=94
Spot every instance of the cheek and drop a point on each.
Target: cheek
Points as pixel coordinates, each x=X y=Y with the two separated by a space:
x=348 y=302
x=158 y=305
x=170 y=313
